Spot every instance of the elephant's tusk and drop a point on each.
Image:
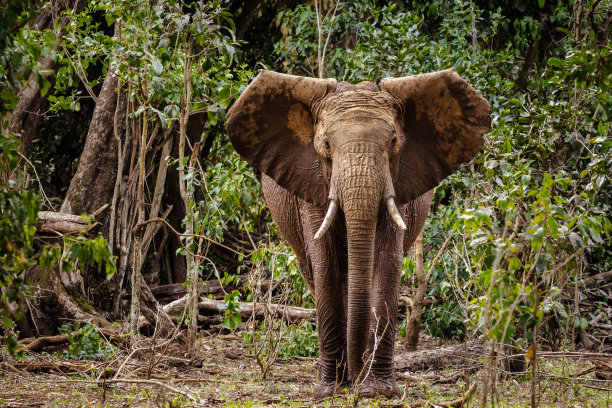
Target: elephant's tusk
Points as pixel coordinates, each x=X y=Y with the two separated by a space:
x=329 y=218
x=395 y=213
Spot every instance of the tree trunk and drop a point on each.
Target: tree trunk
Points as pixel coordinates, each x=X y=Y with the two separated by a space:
x=92 y=186
x=413 y=325
x=94 y=181
x=52 y=305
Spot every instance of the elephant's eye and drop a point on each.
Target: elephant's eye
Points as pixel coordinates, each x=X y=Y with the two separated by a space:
x=326 y=144
x=393 y=142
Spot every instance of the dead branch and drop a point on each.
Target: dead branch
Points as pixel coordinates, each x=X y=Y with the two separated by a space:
x=39 y=343
x=448 y=380
x=601 y=326
x=101 y=382
x=175 y=291
x=50 y=221
x=60 y=366
x=597 y=280
x=207 y=288
x=405 y=301
x=291 y=314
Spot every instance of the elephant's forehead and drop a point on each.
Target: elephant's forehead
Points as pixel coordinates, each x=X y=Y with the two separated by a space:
x=358 y=101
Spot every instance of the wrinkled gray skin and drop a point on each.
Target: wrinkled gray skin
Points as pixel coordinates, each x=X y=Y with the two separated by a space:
x=318 y=141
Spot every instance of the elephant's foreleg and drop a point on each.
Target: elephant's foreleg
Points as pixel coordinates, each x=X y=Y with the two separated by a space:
x=327 y=257
x=385 y=292
x=331 y=321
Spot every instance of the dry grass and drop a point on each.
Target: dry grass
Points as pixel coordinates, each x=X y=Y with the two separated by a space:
x=227 y=376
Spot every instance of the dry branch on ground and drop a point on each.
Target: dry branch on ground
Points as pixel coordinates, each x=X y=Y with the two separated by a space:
x=439 y=358
x=291 y=314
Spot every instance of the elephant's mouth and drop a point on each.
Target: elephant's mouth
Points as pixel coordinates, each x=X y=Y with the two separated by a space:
x=333 y=209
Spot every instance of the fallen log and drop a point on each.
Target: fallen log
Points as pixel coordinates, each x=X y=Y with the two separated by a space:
x=438 y=358
x=601 y=326
x=291 y=314
x=63 y=223
x=175 y=291
x=597 y=280
x=33 y=344
x=59 y=366
x=52 y=216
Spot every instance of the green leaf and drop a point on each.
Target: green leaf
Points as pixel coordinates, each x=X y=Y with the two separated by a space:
x=110 y=19
x=158 y=67
x=553 y=227
x=12 y=344
x=232 y=320
x=555 y=62
x=538 y=238
x=548 y=181
x=514 y=264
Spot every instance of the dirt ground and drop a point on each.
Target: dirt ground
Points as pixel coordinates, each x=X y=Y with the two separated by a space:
x=227 y=376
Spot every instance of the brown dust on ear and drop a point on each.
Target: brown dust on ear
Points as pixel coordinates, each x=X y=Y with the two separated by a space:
x=271 y=126
x=444 y=119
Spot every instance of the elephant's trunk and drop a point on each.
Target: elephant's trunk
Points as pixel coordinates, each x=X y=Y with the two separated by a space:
x=361 y=234
x=360 y=188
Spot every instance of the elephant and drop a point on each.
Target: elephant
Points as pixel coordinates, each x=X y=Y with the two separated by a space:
x=348 y=173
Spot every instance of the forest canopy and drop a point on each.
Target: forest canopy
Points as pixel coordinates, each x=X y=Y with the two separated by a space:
x=122 y=194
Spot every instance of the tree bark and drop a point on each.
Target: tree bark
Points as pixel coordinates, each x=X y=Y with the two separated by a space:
x=94 y=181
x=51 y=305
x=153 y=312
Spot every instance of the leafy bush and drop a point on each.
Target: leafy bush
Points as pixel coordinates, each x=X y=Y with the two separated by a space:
x=85 y=343
x=304 y=341
x=232 y=317
x=294 y=340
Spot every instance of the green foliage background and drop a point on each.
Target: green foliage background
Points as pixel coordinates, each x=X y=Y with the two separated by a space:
x=529 y=215
x=532 y=212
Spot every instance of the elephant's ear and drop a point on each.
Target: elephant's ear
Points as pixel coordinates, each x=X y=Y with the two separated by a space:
x=271 y=125
x=444 y=119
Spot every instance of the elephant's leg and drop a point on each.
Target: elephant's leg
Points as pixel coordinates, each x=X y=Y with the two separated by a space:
x=385 y=292
x=328 y=259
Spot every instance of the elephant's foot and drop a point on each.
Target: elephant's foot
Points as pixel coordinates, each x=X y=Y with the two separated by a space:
x=327 y=388
x=381 y=386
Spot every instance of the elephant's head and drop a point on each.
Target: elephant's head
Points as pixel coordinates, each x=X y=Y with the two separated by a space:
x=355 y=148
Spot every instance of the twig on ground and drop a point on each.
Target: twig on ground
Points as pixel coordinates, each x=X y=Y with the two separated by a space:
x=102 y=382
